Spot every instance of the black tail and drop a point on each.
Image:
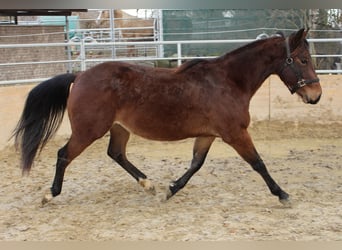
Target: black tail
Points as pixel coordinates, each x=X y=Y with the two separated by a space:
x=42 y=115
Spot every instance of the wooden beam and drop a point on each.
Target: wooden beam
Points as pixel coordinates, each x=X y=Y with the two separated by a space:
x=41 y=12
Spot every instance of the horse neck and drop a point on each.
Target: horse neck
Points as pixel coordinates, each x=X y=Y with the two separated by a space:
x=252 y=64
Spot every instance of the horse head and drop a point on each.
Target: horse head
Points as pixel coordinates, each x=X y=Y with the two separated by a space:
x=298 y=72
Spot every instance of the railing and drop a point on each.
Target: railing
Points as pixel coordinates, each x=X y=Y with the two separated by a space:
x=83 y=47
x=121 y=34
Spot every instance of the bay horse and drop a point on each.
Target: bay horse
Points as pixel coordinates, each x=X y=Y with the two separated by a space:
x=202 y=99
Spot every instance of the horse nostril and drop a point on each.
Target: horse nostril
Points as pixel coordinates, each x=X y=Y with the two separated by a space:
x=315 y=101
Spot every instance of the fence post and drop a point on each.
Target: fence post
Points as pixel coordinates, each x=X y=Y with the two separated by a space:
x=338 y=67
x=179 y=53
x=67 y=36
x=112 y=30
x=83 y=56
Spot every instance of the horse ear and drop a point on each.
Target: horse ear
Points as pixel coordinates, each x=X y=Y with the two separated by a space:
x=306 y=32
x=297 y=38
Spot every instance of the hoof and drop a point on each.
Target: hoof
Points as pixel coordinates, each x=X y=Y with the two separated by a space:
x=284 y=199
x=148 y=186
x=48 y=197
x=171 y=190
x=169 y=194
x=164 y=197
x=286 y=202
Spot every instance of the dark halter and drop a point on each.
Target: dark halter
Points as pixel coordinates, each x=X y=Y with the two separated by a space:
x=289 y=62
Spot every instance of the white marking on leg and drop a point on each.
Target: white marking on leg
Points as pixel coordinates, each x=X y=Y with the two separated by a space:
x=147 y=185
x=168 y=193
x=48 y=197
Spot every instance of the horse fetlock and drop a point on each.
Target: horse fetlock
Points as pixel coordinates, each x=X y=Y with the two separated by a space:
x=284 y=199
x=147 y=185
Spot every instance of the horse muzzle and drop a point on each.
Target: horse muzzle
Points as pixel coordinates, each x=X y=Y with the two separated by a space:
x=314 y=101
x=310 y=94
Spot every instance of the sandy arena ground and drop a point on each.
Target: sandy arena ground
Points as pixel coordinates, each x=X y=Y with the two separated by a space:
x=225 y=200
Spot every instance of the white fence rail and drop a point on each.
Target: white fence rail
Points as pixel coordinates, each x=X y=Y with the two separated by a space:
x=84 y=47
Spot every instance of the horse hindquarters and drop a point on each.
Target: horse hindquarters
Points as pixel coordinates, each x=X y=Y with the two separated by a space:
x=91 y=115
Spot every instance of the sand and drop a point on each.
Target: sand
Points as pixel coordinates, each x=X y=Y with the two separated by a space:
x=225 y=200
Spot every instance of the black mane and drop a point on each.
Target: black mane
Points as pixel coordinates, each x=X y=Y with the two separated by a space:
x=189 y=64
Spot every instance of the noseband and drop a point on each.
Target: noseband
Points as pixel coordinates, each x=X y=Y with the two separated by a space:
x=289 y=62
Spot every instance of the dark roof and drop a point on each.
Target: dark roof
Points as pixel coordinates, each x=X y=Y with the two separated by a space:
x=42 y=12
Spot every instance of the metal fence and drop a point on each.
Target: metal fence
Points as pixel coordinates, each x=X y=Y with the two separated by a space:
x=152 y=51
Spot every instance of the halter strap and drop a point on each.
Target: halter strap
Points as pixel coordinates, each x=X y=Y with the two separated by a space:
x=288 y=51
x=301 y=82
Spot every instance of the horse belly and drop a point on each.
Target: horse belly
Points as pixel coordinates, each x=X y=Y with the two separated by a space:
x=164 y=128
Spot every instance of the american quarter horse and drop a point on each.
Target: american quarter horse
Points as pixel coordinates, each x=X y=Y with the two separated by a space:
x=203 y=99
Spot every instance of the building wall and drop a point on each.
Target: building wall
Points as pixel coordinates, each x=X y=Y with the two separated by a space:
x=11 y=34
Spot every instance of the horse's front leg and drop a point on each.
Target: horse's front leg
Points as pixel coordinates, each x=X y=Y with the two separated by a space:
x=243 y=144
x=117 y=151
x=200 y=151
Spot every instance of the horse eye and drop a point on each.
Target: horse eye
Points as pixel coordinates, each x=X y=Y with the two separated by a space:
x=304 y=61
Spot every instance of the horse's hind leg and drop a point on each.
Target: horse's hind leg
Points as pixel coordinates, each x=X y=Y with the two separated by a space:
x=117 y=151
x=200 y=151
x=65 y=155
